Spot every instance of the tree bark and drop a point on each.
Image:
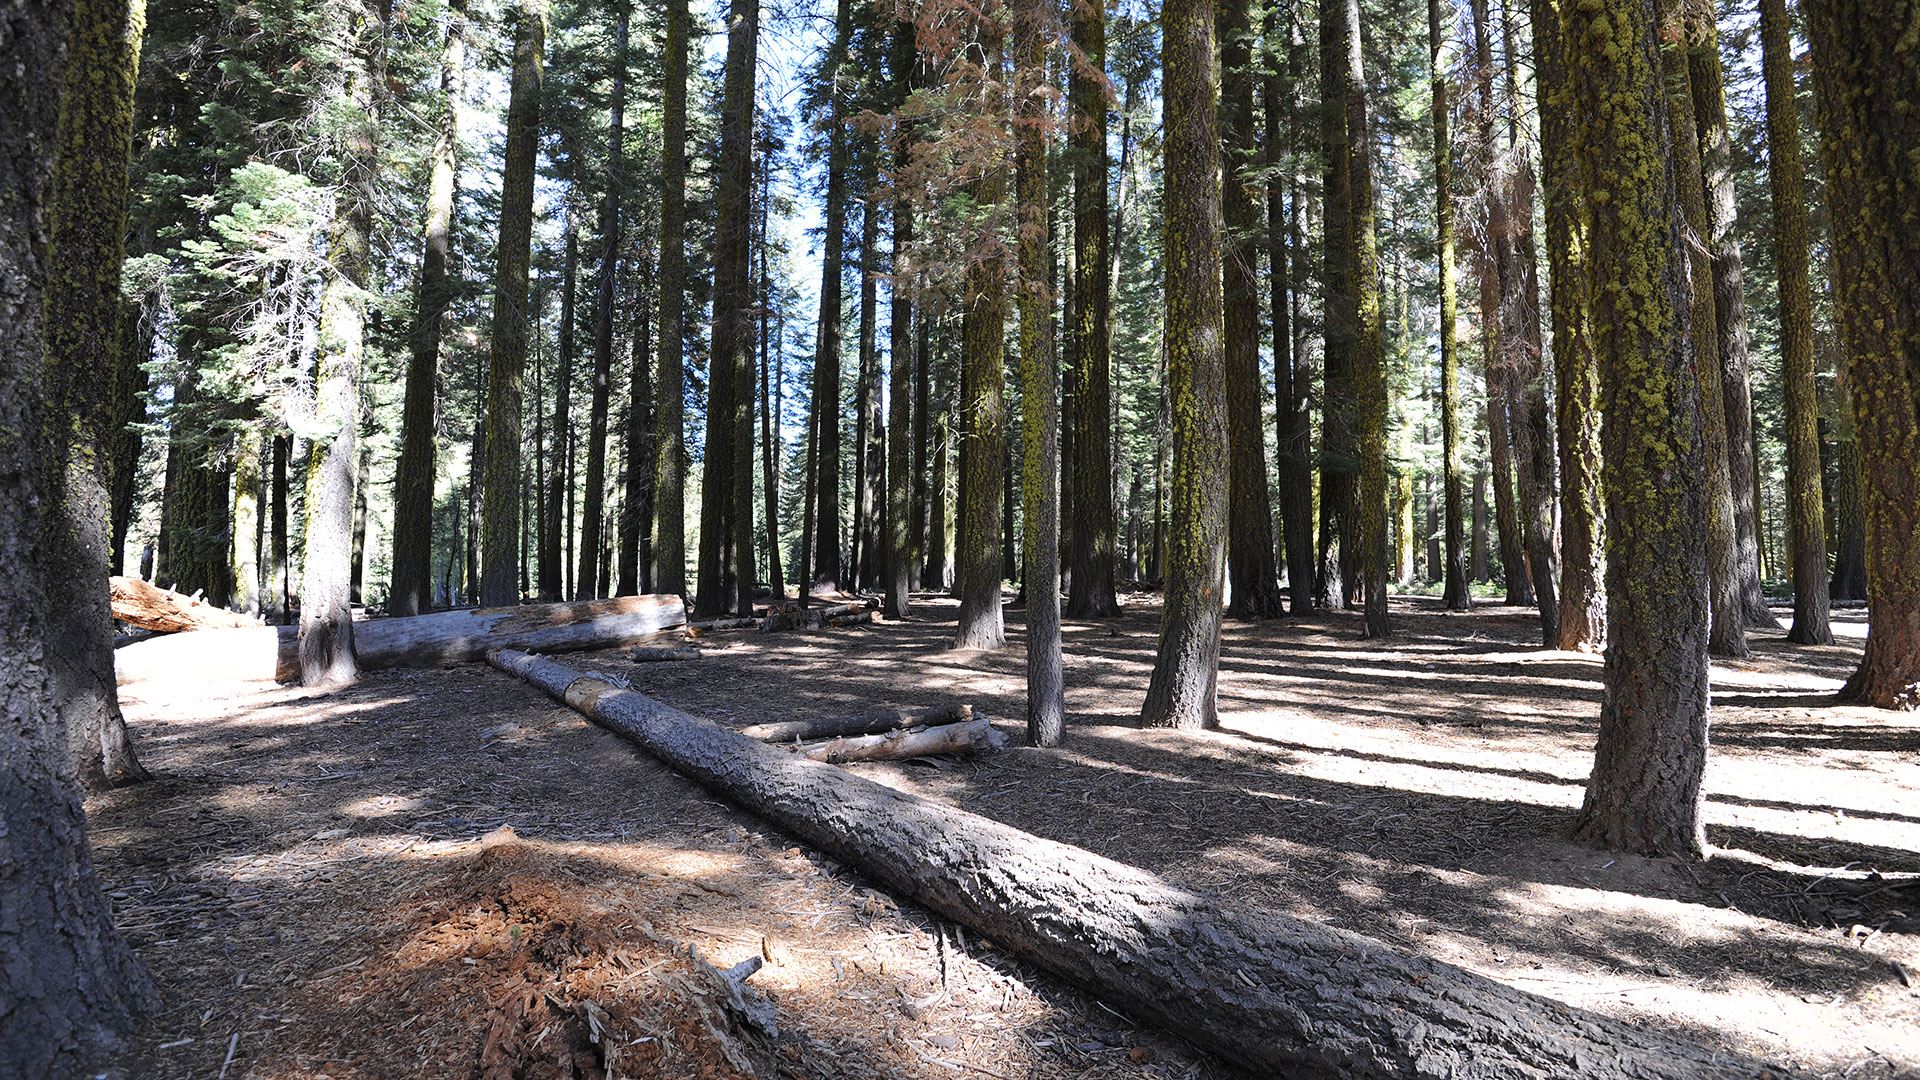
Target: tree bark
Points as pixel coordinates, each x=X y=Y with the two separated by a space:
x=1273 y=993
x=669 y=524
x=1864 y=82
x=826 y=359
x=870 y=723
x=1335 y=574
x=592 y=586
x=500 y=503
x=260 y=653
x=636 y=508
x=70 y=987
x=150 y=607
x=1181 y=691
x=983 y=398
x=1290 y=383
x=411 y=591
x=128 y=411
x=1367 y=362
x=1455 y=596
x=901 y=429
x=963 y=738
x=1645 y=791
x=558 y=521
x=1090 y=584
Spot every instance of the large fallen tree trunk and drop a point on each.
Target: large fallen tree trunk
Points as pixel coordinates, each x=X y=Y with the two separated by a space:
x=445 y=637
x=964 y=738
x=150 y=607
x=1278 y=994
x=869 y=723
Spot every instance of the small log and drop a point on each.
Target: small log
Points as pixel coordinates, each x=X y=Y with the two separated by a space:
x=260 y=653
x=871 y=723
x=1275 y=993
x=722 y=624
x=647 y=654
x=908 y=742
x=858 y=618
x=150 y=607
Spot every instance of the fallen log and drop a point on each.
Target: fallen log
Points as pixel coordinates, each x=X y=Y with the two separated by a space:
x=974 y=735
x=259 y=653
x=150 y=607
x=653 y=654
x=1275 y=993
x=699 y=628
x=807 y=618
x=871 y=723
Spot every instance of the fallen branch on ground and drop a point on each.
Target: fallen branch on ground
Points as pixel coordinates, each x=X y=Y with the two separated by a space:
x=974 y=735
x=645 y=654
x=150 y=607
x=871 y=723
x=1277 y=994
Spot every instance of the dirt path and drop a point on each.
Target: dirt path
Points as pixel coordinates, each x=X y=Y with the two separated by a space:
x=308 y=874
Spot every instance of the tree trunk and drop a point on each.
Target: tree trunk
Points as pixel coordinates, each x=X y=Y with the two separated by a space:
x=260 y=653
x=1334 y=577
x=1869 y=124
x=128 y=411
x=70 y=988
x=939 y=572
x=826 y=359
x=356 y=577
x=1455 y=596
x=898 y=566
x=1728 y=634
x=869 y=436
x=500 y=505
x=592 y=586
x=412 y=587
x=983 y=398
x=1181 y=691
x=1273 y=993
x=726 y=492
x=917 y=524
x=1039 y=387
x=1090 y=584
x=916 y=742
x=1787 y=186
x=669 y=525
x=1367 y=362
x=1290 y=383
x=559 y=518
x=279 y=572
x=636 y=507
x=772 y=400
x=1644 y=794
x=86 y=218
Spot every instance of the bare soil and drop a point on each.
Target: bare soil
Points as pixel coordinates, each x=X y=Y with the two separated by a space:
x=441 y=873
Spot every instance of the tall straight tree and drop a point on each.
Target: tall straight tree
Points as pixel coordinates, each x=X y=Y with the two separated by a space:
x=86 y=211
x=326 y=613
x=1250 y=550
x=1728 y=635
x=866 y=384
x=726 y=485
x=1806 y=530
x=1367 y=362
x=898 y=569
x=826 y=358
x=1729 y=298
x=669 y=488
x=1456 y=596
x=1039 y=384
x=1868 y=91
x=1290 y=382
x=636 y=504
x=983 y=374
x=1181 y=691
x=1645 y=791
x=70 y=987
x=591 y=586
x=411 y=591
x=507 y=362
x=1582 y=623
x=1090 y=585
x=558 y=526
x=1337 y=572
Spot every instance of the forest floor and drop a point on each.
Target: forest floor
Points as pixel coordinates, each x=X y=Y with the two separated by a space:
x=321 y=883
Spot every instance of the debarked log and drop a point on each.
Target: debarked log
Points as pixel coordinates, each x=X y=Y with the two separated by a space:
x=967 y=738
x=150 y=607
x=260 y=653
x=1278 y=994
x=869 y=723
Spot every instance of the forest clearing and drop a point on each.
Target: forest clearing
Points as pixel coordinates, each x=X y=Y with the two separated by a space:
x=1328 y=539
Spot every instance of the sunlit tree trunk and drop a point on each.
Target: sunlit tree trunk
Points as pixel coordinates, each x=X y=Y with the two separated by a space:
x=1090 y=585
x=1367 y=362
x=827 y=571
x=1455 y=596
x=983 y=392
x=670 y=460
x=592 y=586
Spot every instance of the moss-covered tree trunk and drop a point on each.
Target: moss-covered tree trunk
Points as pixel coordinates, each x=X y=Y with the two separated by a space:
x=1039 y=384
x=1455 y=596
x=1181 y=691
x=70 y=987
x=1645 y=791
x=1806 y=529
x=1368 y=361
x=1868 y=90
x=1729 y=636
x=86 y=222
x=670 y=459
x=1729 y=300
x=1582 y=621
x=983 y=387
x=591 y=585
x=411 y=591
x=1090 y=583
x=1335 y=573
x=1250 y=551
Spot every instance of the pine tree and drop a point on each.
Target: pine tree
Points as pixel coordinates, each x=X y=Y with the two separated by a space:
x=900 y=418
x=1090 y=583
x=669 y=499
x=592 y=586
x=1645 y=791
x=1807 y=532
x=500 y=503
x=1367 y=362
x=1456 y=596
x=1181 y=691
x=1869 y=110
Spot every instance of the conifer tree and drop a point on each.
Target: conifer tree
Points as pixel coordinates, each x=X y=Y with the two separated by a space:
x=900 y=417
x=669 y=498
x=825 y=441
x=592 y=586
x=1090 y=584
x=1367 y=362
x=1456 y=596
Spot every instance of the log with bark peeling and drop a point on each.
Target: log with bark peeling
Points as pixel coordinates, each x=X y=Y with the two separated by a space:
x=150 y=607
x=869 y=723
x=970 y=737
x=260 y=653
x=1277 y=994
